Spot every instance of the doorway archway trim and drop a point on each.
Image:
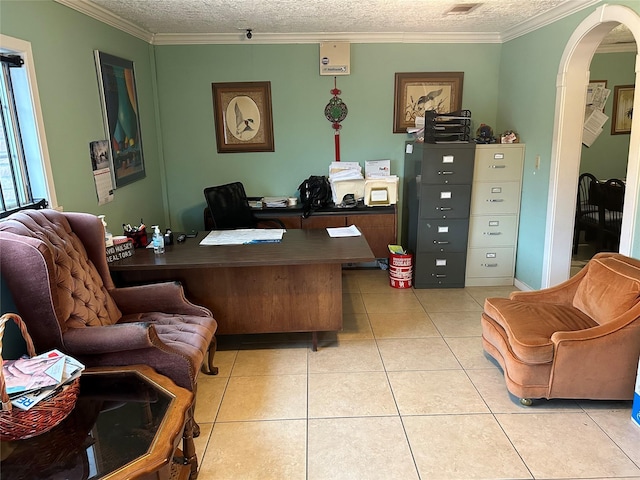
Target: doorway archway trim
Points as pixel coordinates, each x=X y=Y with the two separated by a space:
x=571 y=87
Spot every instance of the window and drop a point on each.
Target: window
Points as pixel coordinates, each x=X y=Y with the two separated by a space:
x=25 y=172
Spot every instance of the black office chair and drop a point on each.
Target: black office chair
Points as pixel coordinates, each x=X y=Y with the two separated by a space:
x=229 y=208
x=587 y=209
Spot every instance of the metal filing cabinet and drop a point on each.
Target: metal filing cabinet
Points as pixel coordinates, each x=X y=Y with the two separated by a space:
x=495 y=213
x=437 y=197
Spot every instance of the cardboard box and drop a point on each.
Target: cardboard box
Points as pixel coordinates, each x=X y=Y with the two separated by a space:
x=635 y=409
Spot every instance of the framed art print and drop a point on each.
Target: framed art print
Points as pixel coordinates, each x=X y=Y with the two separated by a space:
x=416 y=93
x=243 y=117
x=119 y=98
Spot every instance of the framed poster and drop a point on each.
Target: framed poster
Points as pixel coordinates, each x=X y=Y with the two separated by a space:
x=416 y=93
x=243 y=117
x=117 y=82
x=622 y=109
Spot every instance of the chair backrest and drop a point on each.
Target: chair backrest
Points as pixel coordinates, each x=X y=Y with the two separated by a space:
x=229 y=206
x=55 y=267
x=588 y=194
x=613 y=194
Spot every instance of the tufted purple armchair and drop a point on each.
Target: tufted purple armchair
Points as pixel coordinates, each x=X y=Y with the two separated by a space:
x=55 y=267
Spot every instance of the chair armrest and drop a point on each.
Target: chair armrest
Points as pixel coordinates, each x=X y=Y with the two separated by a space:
x=167 y=297
x=561 y=294
x=110 y=338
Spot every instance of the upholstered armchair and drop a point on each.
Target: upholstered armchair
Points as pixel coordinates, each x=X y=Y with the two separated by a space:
x=579 y=339
x=55 y=267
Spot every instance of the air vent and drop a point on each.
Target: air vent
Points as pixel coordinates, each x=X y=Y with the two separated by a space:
x=462 y=8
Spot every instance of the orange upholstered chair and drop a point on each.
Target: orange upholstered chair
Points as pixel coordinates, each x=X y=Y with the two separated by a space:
x=579 y=339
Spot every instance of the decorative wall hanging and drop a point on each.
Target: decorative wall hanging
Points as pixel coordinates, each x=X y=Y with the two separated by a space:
x=622 y=109
x=417 y=92
x=119 y=98
x=243 y=118
x=336 y=111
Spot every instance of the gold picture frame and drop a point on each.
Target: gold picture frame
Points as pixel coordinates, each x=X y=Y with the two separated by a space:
x=417 y=92
x=243 y=117
x=622 y=109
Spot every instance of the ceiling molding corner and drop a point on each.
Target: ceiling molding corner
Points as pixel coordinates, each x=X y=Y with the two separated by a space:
x=94 y=11
x=547 y=18
x=617 y=48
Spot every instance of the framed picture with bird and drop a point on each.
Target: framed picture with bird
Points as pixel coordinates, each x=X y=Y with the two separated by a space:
x=243 y=117
x=415 y=93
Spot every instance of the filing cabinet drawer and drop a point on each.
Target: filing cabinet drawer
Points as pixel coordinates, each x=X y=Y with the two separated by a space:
x=495 y=198
x=490 y=262
x=493 y=230
x=444 y=201
x=438 y=270
x=498 y=164
x=442 y=235
x=453 y=165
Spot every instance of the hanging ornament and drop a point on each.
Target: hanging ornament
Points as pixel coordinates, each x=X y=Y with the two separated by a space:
x=335 y=112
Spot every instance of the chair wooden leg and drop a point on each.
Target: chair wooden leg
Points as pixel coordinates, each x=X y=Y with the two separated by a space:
x=207 y=367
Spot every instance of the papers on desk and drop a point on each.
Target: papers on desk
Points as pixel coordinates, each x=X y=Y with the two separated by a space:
x=275 y=202
x=351 y=231
x=243 y=236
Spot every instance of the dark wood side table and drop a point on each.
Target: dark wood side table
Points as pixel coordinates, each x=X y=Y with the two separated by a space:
x=126 y=424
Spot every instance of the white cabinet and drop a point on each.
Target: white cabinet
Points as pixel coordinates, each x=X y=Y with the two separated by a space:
x=495 y=213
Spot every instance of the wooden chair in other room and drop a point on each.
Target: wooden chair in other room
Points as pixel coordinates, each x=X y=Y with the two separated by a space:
x=587 y=210
x=612 y=192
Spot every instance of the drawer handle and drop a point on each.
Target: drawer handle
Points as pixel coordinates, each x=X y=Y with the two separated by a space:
x=489 y=264
x=498 y=166
x=443 y=209
x=440 y=242
x=495 y=200
x=493 y=233
x=445 y=172
x=439 y=275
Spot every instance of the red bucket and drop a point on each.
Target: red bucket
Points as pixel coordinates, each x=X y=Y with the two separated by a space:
x=400 y=270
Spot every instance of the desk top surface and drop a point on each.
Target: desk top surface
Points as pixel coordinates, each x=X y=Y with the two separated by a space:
x=298 y=247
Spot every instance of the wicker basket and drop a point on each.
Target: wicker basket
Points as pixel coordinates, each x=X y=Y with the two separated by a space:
x=17 y=424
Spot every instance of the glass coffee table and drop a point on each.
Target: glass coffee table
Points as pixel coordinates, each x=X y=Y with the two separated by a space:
x=126 y=424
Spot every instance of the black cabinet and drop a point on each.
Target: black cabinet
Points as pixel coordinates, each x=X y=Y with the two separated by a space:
x=437 y=198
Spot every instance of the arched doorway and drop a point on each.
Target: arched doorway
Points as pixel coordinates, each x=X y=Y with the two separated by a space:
x=573 y=77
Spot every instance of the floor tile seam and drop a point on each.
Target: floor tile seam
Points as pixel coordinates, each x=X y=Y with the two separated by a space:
x=504 y=432
x=260 y=420
x=301 y=374
x=604 y=432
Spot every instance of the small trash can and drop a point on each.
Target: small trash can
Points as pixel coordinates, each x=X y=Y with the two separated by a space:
x=635 y=409
x=401 y=270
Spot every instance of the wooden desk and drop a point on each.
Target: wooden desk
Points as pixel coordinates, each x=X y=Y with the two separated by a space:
x=291 y=286
x=377 y=224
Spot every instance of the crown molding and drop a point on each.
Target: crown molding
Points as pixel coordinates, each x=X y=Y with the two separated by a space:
x=617 y=48
x=293 y=38
x=547 y=18
x=104 y=16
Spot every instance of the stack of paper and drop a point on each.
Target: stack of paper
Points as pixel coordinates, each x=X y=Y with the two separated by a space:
x=346 y=179
x=243 y=236
x=274 y=202
x=30 y=380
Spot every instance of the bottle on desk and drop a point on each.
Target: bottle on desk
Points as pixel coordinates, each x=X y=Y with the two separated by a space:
x=158 y=240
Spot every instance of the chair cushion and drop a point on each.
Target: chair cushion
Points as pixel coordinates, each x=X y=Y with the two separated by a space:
x=609 y=289
x=529 y=325
x=187 y=336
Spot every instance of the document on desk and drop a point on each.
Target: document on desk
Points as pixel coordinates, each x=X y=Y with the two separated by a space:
x=350 y=231
x=243 y=236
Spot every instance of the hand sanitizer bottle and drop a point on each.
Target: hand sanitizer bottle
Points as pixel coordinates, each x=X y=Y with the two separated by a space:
x=158 y=240
x=108 y=237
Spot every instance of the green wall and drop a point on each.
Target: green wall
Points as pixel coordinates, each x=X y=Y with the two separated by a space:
x=508 y=86
x=607 y=157
x=303 y=137
x=63 y=43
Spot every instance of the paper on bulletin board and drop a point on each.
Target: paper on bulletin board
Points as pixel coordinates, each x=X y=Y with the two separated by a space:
x=101 y=165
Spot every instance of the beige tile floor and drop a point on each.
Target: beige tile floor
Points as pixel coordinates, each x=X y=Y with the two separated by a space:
x=403 y=392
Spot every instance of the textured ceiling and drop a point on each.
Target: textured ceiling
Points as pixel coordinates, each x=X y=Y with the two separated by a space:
x=171 y=18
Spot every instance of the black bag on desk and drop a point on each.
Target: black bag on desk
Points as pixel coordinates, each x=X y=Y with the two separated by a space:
x=315 y=192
